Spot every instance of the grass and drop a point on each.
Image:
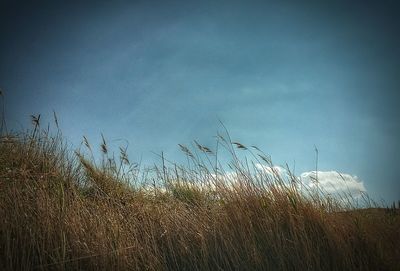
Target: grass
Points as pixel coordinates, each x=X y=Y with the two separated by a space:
x=60 y=210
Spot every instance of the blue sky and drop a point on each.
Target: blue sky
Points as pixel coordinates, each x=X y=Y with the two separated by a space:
x=280 y=75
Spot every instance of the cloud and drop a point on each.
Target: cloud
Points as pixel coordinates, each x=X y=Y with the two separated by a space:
x=330 y=182
x=333 y=182
x=272 y=171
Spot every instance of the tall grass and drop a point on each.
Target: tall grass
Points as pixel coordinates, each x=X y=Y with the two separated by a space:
x=62 y=210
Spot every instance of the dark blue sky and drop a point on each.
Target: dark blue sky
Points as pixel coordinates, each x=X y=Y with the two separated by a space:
x=284 y=76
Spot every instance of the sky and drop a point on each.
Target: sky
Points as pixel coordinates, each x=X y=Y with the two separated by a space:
x=286 y=76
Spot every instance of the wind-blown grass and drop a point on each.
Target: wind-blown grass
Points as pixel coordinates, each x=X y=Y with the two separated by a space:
x=61 y=210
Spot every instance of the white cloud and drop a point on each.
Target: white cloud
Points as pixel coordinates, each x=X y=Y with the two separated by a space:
x=333 y=182
x=330 y=182
x=273 y=171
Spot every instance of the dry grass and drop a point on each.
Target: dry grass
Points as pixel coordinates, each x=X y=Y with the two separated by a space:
x=62 y=211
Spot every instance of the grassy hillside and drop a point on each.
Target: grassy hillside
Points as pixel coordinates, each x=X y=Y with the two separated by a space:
x=60 y=210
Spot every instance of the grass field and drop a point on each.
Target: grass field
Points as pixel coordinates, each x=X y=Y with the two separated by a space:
x=61 y=210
